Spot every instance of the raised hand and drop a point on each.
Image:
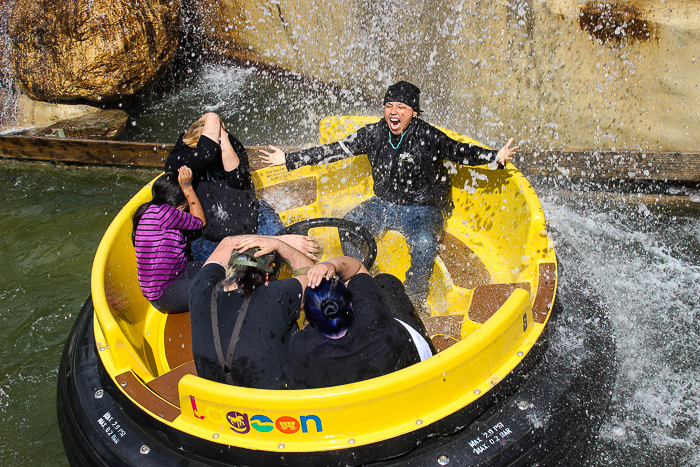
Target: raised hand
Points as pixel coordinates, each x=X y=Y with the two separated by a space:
x=184 y=176
x=275 y=156
x=506 y=153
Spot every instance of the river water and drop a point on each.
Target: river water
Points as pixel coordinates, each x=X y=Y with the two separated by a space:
x=643 y=253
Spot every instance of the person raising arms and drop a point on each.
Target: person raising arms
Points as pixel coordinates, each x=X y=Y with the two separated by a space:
x=222 y=180
x=411 y=183
x=160 y=229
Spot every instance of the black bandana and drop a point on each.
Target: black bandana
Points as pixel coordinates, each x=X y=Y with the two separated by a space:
x=404 y=92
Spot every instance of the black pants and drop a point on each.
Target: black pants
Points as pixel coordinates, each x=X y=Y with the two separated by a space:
x=400 y=305
x=176 y=296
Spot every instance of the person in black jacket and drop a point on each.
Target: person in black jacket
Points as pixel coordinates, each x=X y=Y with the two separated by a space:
x=242 y=317
x=222 y=181
x=359 y=327
x=411 y=183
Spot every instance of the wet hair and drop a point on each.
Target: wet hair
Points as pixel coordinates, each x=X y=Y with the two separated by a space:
x=328 y=307
x=192 y=135
x=247 y=277
x=165 y=190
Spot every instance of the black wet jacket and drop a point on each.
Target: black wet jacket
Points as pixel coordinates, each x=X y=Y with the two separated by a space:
x=409 y=170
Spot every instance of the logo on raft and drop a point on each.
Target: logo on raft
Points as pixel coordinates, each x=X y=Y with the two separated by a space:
x=241 y=424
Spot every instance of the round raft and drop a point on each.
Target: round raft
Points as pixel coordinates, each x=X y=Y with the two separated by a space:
x=507 y=386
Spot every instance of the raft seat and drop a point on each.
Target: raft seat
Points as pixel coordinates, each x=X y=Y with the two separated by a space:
x=446 y=330
x=161 y=396
x=466 y=269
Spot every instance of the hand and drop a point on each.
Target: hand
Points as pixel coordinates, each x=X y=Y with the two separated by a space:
x=506 y=153
x=273 y=157
x=318 y=272
x=184 y=177
x=307 y=245
x=266 y=244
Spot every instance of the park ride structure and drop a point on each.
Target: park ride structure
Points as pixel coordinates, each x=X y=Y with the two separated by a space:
x=506 y=387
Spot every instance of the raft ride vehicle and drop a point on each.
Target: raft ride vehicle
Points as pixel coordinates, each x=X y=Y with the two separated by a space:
x=523 y=375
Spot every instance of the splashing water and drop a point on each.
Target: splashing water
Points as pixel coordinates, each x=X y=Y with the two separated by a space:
x=644 y=258
x=646 y=262
x=255 y=106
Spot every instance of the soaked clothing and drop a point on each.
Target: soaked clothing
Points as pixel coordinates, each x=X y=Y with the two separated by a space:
x=407 y=169
x=376 y=344
x=205 y=162
x=260 y=356
x=228 y=198
x=160 y=245
x=229 y=211
x=408 y=172
x=175 y=297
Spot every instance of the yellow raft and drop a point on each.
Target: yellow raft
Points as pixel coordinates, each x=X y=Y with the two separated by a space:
x=491 y=296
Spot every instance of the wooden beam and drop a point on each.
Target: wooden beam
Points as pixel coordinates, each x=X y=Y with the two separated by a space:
x=678 y=166
x=84 y=151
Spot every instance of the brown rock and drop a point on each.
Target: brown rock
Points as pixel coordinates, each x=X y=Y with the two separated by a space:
x=39 y=118
x=91 y=49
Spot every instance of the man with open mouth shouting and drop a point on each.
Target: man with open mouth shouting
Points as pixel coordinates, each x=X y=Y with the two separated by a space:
x=411 y=183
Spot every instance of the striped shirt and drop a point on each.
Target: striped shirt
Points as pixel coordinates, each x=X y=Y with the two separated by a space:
x=160 y=247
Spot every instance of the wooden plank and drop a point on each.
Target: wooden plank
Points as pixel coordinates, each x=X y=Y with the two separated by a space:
x=101 y=152
x=678 y=166
x=84 y=151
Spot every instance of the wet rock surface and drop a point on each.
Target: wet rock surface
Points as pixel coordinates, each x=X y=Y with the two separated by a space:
x=38 y=118
x=97 y=50
x=560 y=74
x=100 y=124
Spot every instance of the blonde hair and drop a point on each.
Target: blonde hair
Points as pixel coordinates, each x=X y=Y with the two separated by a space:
x=192 y=135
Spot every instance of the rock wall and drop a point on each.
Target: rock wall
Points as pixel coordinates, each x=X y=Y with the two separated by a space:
x=96 y=50
x=556 y=74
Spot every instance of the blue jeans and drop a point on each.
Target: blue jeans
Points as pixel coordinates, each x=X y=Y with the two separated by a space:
x=269 y=223
x=420 y=225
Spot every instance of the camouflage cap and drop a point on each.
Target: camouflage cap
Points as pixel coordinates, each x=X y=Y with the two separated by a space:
x=265 y=263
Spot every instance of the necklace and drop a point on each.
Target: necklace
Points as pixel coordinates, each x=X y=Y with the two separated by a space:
x=397 y=144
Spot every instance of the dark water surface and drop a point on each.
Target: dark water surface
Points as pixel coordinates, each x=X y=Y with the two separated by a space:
x=52 y=221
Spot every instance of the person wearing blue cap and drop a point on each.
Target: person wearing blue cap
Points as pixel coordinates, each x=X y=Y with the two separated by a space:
x=411 y=183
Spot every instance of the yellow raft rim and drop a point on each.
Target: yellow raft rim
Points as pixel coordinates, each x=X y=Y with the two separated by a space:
x=499 y=227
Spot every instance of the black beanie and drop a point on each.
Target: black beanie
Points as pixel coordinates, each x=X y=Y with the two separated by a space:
x=405 y=92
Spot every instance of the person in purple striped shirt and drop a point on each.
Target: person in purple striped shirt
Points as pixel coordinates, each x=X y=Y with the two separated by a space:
x=161 y=227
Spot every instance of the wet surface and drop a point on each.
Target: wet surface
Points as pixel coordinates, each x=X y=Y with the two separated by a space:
x=616 y=22
x=644 y=259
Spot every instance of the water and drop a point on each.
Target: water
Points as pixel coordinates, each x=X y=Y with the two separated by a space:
x=257 y=107
x=644 y=257
x=52 y=221
x=646 y=261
